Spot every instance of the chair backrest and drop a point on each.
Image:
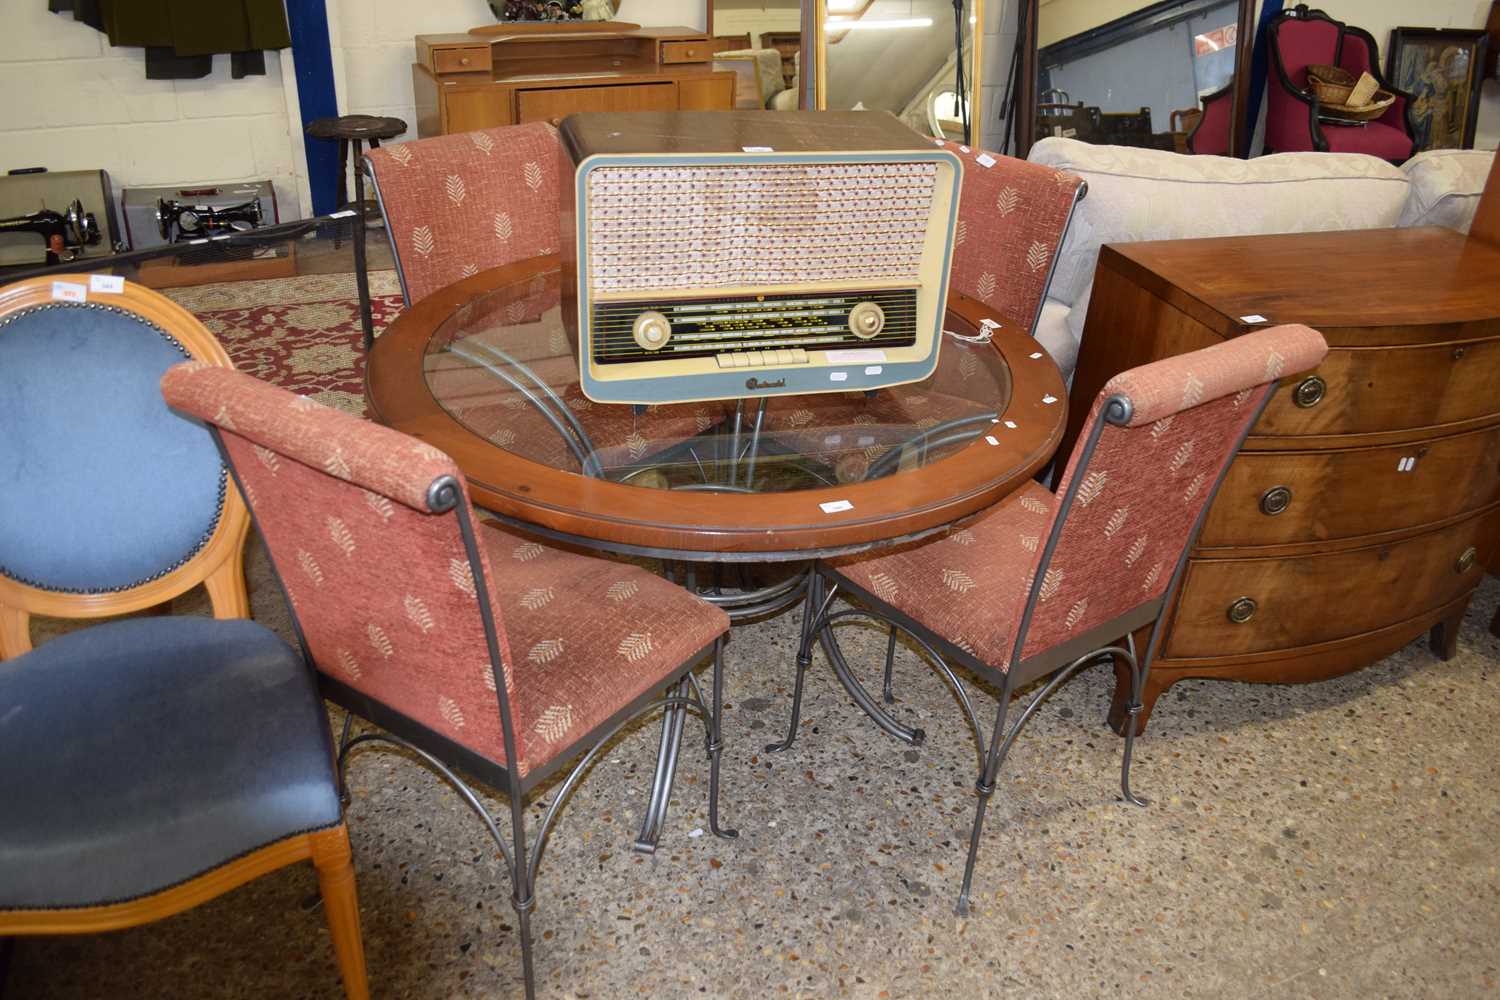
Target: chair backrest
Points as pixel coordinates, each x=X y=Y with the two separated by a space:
x=455 y=205
x=1012 y=217
x=360 y=523
x=1148 y=461
x=1301 y=38
x=109 y=502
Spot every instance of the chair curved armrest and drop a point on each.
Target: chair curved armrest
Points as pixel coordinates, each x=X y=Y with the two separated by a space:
x=1212 y=134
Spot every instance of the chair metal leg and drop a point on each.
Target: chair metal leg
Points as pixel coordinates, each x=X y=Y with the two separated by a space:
x=716 y=746
x=331 y=857
x=886 y=693
x=666 y=769
x=812 y=609
x=361 y=273
x=1132 y=721
x=523 y=928
x=985 y=786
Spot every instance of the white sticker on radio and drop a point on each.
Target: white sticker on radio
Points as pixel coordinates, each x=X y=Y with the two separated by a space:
x=112 y=284
x=1049 y=400
x=865 y=356
x=964 y=149
x=838 y=376
x=758 y=149
x=873 y=369
x=1254 y=318
x=985 y=160
x=69 y=291
x=991 y=439
x=1011 y=424
x=1035 y=355
x=836 y=506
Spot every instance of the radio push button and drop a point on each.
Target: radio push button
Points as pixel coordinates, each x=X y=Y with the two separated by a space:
x=866 y=320
x=651 y=330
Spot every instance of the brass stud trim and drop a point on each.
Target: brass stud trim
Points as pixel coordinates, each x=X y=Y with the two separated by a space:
x=1242 y=610
x=1309 y=392
x=1275 y=500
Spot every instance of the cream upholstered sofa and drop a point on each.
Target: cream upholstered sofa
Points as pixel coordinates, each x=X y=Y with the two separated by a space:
x=1144 y=194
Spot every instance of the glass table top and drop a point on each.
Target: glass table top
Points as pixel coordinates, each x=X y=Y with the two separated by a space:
x=503 y=366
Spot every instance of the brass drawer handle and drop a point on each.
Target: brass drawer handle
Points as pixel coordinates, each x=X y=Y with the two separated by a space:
x=464 y=61
x=1466 y=560
x=1309 y=392
x=1242 y=610
x=1459 y=352
x=1275 y=501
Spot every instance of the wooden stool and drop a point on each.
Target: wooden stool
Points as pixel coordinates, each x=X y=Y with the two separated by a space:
x=354 y=130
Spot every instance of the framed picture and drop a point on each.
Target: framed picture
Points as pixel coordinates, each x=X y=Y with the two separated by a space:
x=1441 y=69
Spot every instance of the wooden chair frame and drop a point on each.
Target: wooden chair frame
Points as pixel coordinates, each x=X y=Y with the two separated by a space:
x=328 y=850
x=219 y=565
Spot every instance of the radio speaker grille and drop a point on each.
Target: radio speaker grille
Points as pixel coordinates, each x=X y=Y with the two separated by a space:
x=777 y=223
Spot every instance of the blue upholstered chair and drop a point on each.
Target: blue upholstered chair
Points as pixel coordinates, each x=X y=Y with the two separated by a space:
x=152 y=763
x=109 y=502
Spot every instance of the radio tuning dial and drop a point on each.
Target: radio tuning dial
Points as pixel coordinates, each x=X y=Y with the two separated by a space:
x=652 y=330
x=866 y=320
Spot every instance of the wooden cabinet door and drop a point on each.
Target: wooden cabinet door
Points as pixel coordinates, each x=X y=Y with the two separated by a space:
x=468 y=108
x=553 y=105
x=709 y=93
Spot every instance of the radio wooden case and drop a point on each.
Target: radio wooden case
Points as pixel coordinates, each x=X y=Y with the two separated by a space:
x=719 y=255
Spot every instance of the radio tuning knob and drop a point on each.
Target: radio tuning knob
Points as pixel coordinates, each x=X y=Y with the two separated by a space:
x=652 y=330
x=866 y=320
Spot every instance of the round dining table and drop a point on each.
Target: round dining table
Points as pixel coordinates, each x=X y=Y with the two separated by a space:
x=486 y=371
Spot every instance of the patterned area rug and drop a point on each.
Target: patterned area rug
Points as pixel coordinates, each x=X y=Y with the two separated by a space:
x=300 y=333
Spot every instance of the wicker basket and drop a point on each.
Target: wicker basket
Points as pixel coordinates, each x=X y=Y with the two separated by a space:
x=1332 y=84
x=1363 y=113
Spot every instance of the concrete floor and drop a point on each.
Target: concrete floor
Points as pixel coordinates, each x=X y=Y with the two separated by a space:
x=1328 y=840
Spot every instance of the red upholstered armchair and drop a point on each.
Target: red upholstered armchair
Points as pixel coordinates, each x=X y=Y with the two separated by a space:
x=1214 y=131
x=1301 y=38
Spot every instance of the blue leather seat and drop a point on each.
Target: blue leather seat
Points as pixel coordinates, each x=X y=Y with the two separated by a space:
x=138 y=754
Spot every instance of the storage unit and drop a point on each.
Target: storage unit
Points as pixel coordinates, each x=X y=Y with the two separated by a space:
x=1364 y=505
x=467 y=82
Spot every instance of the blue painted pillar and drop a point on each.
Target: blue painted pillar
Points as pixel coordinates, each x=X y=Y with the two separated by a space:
x=313 y=55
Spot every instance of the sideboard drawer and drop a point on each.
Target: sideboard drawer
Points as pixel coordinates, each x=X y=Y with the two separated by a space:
x=554 y=105
x=1368 y=389
x=686 y=52
x=466 y=59
x=1275 y=498
x=1236 y=606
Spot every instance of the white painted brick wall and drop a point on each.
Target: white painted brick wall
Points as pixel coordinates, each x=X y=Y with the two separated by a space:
x=373 y=48
x=71 y=102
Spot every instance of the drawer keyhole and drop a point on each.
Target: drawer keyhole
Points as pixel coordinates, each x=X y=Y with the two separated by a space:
x=1275 y=500
x=1309 y=391
x=1242 y=610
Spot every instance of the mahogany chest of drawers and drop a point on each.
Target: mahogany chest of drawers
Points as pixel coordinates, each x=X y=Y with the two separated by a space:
x=1363 y=507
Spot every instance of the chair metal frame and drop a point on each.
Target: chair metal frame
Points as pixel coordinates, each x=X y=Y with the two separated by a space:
x=218 y=564
x=445 y=496
x=1100 y=644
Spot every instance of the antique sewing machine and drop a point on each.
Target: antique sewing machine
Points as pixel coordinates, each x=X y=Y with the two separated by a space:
x=178 y=222
x=64 y=234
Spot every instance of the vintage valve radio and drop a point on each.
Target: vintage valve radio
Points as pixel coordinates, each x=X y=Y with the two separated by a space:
x=714 y=255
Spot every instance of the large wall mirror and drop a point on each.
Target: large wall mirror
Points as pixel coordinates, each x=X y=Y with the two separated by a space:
x=1133 y=73
x=761 y=41
x=917 y=59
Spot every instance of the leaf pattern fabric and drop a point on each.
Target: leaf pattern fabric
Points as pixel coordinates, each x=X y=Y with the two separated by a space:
x=457 y=204
x=1132 y=515
x=1013 y=216
x=387 y=599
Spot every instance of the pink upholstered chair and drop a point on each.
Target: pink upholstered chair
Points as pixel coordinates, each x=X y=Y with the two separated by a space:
x=1212 y=134
x=473 y=646
x=1012 y=218
x=1043 y=584
x=456 y=205
x=1300 y=38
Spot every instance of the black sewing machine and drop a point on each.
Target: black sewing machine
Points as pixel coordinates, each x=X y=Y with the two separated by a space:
x=178 y=222
x=65 y=234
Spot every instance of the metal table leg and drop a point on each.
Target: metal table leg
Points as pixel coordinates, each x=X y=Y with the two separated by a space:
x=862 y=697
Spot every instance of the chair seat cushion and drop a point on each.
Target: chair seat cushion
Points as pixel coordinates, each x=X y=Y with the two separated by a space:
x=968 y=586
x=142 y=753
x=1371 y=138
x=587 y=637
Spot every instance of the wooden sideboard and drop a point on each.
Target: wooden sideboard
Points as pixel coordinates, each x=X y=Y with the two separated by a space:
x=1362 y=510
x=465 y=82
